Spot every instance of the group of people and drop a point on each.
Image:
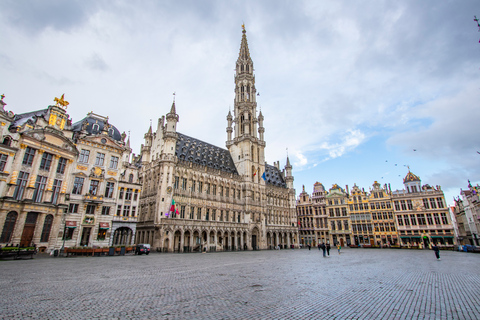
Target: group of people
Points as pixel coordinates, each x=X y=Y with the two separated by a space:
x=326 y=248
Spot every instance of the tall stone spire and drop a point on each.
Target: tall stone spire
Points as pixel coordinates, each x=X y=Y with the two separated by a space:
x=247 y=149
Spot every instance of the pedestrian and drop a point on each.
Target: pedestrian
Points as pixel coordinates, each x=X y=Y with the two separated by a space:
x=323 y=249
x=319 y=246
x=339 y=247
x=309 y=247
x=328 y=249
x=437 y=251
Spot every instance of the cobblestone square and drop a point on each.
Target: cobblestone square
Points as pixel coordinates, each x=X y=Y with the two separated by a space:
x=280 y=284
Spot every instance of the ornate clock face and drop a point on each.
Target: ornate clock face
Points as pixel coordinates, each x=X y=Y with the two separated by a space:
x=169 y=189
x=58 y=122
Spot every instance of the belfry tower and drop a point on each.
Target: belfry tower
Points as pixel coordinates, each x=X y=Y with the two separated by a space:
x=247 y=146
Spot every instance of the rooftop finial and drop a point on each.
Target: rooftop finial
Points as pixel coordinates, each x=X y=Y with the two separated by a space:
x=174 y=97
x=243 y=27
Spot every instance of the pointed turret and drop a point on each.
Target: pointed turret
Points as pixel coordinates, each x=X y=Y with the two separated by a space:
x=288 y=175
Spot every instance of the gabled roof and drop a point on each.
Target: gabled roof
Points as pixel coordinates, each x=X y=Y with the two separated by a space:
x=273 y=176
x=205 y=154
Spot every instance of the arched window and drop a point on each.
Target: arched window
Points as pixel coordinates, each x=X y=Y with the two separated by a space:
x=47 y=226
x=130 y=178
x=7 y=141
x=8 y=227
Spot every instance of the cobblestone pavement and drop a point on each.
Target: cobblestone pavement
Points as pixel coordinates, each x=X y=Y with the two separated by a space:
x=284 y=284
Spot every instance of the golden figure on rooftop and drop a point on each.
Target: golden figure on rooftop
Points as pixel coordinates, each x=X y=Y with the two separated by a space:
x=61 y=102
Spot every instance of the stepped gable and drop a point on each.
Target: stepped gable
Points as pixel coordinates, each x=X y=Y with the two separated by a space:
x=273 y=176
x=205 y=154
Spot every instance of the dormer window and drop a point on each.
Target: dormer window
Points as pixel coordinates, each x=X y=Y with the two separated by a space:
x=95 y=127
x=110 y=132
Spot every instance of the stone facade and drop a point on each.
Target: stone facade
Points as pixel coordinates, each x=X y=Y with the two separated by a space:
x=467 y=215
x=59 y=181
x=414 y=217
x=197 y=196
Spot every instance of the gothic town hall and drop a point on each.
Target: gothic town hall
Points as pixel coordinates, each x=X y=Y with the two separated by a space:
x=200 y=197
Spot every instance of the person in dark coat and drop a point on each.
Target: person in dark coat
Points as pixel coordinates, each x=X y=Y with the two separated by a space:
x=437 y=251
x=328 y=249
x=323 y=249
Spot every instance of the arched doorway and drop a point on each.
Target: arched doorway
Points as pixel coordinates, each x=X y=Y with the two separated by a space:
x=176 y=241
x=186 y=242
x=255 y=239
x=122 y=236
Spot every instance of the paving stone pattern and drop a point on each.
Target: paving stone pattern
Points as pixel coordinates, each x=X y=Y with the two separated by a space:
x=281 y=284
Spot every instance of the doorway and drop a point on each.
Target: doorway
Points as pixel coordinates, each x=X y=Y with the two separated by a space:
x=28 y=229
x=254 y=242
x=85 y=236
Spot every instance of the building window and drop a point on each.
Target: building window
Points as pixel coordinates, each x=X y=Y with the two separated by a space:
x=47 y=226
x=182 y=212
x=345 y=225
x=84 y=154
x=102 y=233
x=207 y=187
x=444 y=218
x=109 y=188
x=39 y=188
x=134 y=211
x=221 y=215
x=220 y=189
x=126 y=211
x=413 y=220
x=421 y=219
x=214 y=190
x=400 y=220
x=192 y=212
x=128 y=194
x=238 y=218
x=62 y=164
x=78 y=185
x=90 y=209
x=120 y=194
x=113 y=162
x=199 y=213
x=28 y=157
x=3 y=161
x=99 y=159
x=130 y=178
x=8 y=227
x=135 y=195
x=176 y=183
x=93 y=187
x=119 y=210
x=73 y=208
x=207 y=214
x=200 y=186
x=440 y=203
x=433 y=204
x=57 y=185
x=397 y=206
x=21 y=184
x=333 y=225
x=429 y=219
x=214 y=214
x=46 y=161
x=184 y=183
x=437 y=218
x=68 y=234
x=105 y=210
x=404 y=206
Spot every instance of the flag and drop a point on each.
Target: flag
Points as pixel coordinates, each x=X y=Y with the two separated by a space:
x=177 y=212
x=172 y=208
x=166 y=214
x=263 y=176
x=255 y=173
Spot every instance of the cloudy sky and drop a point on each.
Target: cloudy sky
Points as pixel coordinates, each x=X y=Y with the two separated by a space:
x=357 y=91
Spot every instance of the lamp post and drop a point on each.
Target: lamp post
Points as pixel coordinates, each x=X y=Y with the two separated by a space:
x=64 y=218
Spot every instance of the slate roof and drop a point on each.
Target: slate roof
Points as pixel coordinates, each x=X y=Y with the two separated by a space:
x=273 y=176
x=29 y=117
x=91 y=129
x=199 y=152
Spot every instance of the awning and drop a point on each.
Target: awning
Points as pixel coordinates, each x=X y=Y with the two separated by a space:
x=437 y=237
x=104 y=225
x=416 y=237
x=404 y=237
x=71 y=224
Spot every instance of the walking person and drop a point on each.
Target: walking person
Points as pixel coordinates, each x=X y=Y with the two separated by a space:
x=437 y=251
x=328 y=249
x=324 y=249
x=339 y=247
